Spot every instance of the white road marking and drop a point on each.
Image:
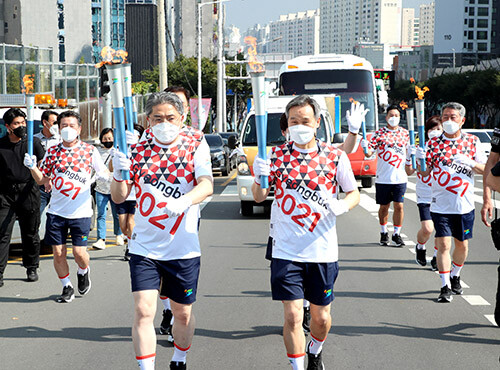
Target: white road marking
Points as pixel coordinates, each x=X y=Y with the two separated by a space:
x=491 y=318
x=205 y=202
x=230 y=191
x=368 y=203
x=476 y=300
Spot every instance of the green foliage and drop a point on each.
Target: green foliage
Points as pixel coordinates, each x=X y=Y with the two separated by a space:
x=143 y=88
x=13 y=81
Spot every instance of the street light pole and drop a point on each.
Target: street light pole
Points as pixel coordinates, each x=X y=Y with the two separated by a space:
x=200 y=107
x=453 y=50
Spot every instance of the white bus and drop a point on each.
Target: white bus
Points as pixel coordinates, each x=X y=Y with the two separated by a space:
x=348 y=76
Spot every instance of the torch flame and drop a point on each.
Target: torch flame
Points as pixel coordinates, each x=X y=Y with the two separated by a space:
x=353 y=101
x=412 y=80
x=112 y=56
x=28 y=82
x=403 y=105
x=253 y=62
x=420 y=92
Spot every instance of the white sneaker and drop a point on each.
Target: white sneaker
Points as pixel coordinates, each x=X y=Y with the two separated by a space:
x=100 y=244
x=119 y=240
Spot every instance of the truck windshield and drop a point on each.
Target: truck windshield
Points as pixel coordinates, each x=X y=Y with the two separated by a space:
x=274 y=136
x=349 y=84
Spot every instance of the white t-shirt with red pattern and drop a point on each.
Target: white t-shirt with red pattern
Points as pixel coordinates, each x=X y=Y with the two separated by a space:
x=452 y=183
x=160 y=173
x=70 y=170
x=391 y=147
x=303 y=228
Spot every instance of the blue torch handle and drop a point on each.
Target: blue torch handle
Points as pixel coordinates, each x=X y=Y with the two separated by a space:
x=129 y=108
x=122 y=139
x=421 y=143
x=412 y=142
x=30 y=125
x=363 y=131
x=261 y=123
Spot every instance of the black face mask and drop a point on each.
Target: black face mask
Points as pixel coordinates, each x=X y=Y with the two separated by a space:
x=20 y=131
x=108 y=144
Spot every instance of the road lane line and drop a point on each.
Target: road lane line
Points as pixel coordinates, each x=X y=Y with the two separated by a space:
x=230 y=191
x=232 y=176
x=491 y=318
x=476 y=300
x=205 y=202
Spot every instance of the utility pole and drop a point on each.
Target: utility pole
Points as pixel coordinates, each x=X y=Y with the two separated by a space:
x=220 y=72
x=106 y=41
x=162 y=46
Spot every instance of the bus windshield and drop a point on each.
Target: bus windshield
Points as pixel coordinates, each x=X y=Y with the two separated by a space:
x=355 y=84
x=274 y=136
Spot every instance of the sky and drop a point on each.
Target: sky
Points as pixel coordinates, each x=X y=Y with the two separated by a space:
x=246 y=13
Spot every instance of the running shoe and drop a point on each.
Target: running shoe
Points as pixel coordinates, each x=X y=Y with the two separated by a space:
x=456 y=287
x=306 y=322
x=445 y=296
x=174 y=365
x=384 y=239
x=398 y=241
x=67 y=295
x=420 y=256
x=315 y=362
x=100 y=244
x=119 y=240
x=84 y=283
x=166 y=326
x=434 y=264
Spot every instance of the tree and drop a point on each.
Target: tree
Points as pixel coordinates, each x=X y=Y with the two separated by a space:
x=13 y=81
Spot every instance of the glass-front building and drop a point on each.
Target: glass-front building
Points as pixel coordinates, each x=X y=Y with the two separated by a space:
x=117 y=26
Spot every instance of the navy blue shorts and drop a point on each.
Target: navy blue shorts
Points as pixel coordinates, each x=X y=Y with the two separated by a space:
x=424 y=209
x=457 y=226
x=56 y=230
x=179 y=278
x=387 y=193
x=269 y=249
x=297 y=280
x=126 y=207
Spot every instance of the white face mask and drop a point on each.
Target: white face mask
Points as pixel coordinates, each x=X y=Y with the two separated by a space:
x=54 y=130
x=451 y=127
x=434 y=133
x=301 y=134
x=165 y=132
x=69 y=134
x=393 y=121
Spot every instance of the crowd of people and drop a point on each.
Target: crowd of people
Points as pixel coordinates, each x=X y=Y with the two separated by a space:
x=168 y=167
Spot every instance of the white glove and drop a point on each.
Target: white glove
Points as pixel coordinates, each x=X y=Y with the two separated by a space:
x=420 y=153
x=29 y=161
x=355 y=116
x=120 y=163
x=132 y=138
x=364 y=144
x=337 y=207
x=412 y=150
x=176 y=207
x=261 y=168
x=464 y=160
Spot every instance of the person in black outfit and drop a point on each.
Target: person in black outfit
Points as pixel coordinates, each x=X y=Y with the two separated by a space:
x=19 y=194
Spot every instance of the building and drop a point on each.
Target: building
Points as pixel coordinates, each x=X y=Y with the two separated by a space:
x=409 y=27
x=414 y=62
x=117 y=10
x=377 y=54
x=62 y=26
x=463 y=32
x=261 y=34
x=345 y=23
x=296 y=33
x=142 y=37
x=426 y=25
x=495 y=36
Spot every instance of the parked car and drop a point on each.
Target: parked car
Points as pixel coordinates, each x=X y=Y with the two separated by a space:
x=484 y=137
x=218 y=154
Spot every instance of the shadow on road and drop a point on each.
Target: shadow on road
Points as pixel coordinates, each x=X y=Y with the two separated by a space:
x=385 y=295
x=449 y=333
x=244 y=294
x=254 y=332
x=123 y=334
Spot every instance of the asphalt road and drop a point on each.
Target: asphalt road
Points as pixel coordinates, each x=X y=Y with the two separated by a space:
x=385 y=314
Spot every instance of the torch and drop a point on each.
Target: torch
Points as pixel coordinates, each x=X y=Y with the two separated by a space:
x=420 y=106
x=259 y=97
x=411 y=129
x=127 y=95
x=363 y=131
x=30 y=108
x=116 y=89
